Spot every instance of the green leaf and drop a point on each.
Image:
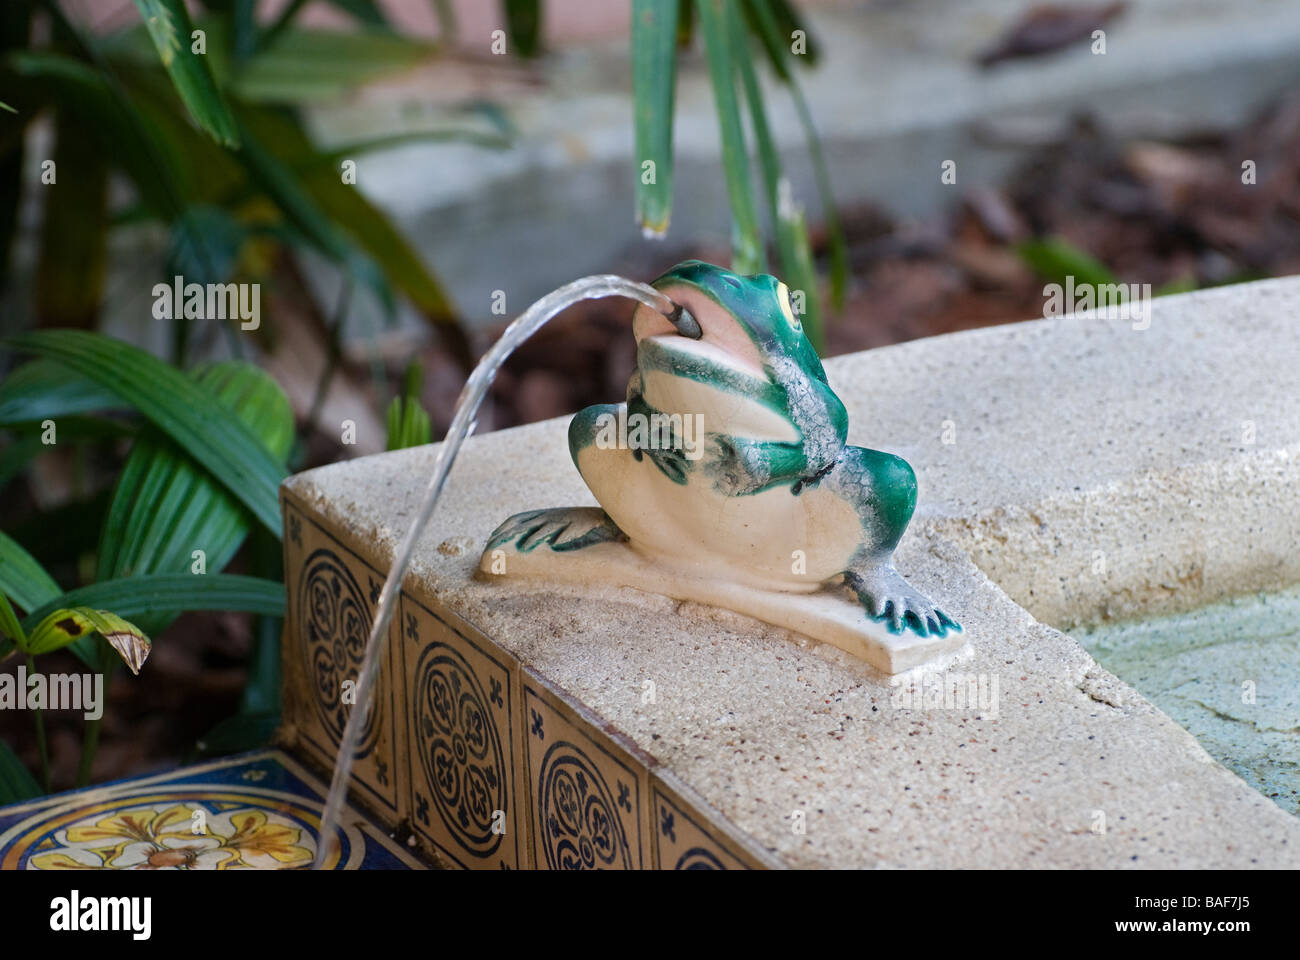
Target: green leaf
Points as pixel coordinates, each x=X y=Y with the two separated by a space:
x=524 y=26
x=746 y=238
x=301 y=209
x=243 y=26
x=165 y=506
x=654 y=83
x=64 y=626
x=11 y=631
x=16 y=783
x=321 y=194
x=23 y=578
x=45 y=390
x=140 y=597
x=262 y=691
x=1055 y=259
x=204 y=248
x=321 y=66
x=787 y=218
x=779 y=22
x=62 y=534
x=170 y=28
x=408 y=424
x=767 y=18
x=5 y=107
x=182 y=409
x=202 y=172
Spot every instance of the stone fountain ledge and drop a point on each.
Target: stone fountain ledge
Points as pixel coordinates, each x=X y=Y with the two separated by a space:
x=1074 y=441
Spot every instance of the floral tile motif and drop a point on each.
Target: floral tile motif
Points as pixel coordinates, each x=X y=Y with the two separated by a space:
x=479 y=759
x=332 y=596
x=259 y=811
x=588 y=793
x=462 y=740
x=685 y=838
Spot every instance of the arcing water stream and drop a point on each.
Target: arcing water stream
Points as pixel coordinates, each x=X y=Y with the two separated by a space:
x=462 y=424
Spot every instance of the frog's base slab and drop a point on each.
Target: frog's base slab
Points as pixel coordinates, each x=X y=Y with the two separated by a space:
x=829 y=615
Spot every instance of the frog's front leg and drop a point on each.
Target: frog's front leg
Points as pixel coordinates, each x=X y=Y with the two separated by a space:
x=882 y=488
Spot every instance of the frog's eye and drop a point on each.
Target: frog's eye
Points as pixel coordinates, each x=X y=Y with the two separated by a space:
x=783 y=297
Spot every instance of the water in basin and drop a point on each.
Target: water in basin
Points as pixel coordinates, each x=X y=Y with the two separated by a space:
x=1230 y=674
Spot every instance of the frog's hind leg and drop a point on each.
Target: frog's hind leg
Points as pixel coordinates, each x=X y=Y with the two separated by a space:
x=889 y=598
x=882 y=487
x=564 y=528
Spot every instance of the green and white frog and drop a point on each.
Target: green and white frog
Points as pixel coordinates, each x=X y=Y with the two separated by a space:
x=728 y=459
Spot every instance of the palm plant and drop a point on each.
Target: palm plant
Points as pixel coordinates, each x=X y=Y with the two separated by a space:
x=201 y=119
x=197 y=118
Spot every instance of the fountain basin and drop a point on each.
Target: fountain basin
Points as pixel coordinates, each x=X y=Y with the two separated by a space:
x=1068 y=469
x=1230 y=674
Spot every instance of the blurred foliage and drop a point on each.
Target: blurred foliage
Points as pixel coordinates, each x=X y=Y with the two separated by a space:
x=1057 y=260
x=731 y=29
x=408 y=422
x=197 y=110
x=200 y=118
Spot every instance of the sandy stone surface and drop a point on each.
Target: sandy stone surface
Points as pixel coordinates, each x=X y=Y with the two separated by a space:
x=1096 y=468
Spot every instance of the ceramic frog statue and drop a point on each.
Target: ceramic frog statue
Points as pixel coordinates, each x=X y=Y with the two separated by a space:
x=728 y=460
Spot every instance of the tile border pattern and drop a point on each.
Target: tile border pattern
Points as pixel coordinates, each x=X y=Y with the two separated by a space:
x=494 y=766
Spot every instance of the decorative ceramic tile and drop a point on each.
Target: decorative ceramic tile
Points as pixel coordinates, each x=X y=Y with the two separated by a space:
x=257 y=811
x=332 y=594
x=689 y=836
x=463 y=741
x=589 y=795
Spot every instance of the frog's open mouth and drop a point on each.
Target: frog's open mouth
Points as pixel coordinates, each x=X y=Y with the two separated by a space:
x=683 y=321
x=701 y=329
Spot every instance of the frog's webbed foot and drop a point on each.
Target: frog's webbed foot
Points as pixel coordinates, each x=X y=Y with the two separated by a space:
x=563 y=528
x=890 y=599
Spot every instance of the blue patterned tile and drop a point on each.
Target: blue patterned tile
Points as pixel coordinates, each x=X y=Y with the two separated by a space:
x=257 y=811
x=462 y=740
x=332 y=597
x=588 y=793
